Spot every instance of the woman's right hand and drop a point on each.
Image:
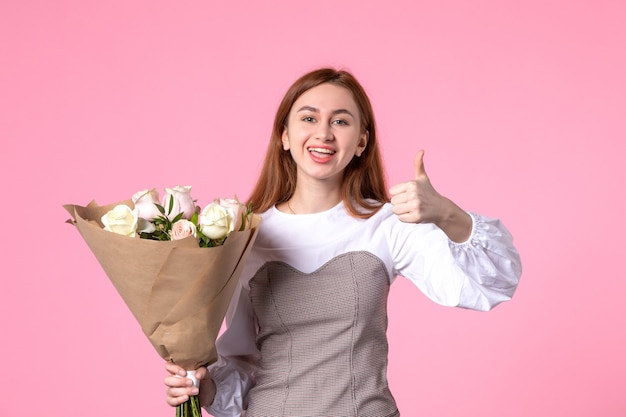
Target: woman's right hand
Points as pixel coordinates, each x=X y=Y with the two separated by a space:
x=180 y=388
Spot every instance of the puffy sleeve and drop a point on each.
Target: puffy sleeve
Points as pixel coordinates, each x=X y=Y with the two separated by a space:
x=234 y=370
x=477 y=274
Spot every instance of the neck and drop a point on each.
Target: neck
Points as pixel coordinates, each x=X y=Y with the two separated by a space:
x=313 y=200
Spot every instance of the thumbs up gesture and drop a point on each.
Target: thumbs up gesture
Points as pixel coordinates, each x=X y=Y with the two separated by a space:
x=417 y=201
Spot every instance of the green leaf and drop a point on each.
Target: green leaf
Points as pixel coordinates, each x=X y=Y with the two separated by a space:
x=243 y=223
x=178 y=217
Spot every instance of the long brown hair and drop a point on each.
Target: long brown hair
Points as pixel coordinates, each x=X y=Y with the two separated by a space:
x=363 y=189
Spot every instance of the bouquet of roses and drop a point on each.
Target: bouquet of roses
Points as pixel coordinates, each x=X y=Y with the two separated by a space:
x=174 y=264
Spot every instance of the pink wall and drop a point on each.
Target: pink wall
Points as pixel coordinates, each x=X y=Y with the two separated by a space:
x=520 y=106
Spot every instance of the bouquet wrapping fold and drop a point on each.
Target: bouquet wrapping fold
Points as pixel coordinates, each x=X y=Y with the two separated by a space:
x=177 y=291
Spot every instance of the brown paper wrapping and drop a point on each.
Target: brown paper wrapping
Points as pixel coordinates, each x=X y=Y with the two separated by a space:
x=177 y=291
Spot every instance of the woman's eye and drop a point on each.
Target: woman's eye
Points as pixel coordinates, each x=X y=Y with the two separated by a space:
x=340 y=122
x=308 y=119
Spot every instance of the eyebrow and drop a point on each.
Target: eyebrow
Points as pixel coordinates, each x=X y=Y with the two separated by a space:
x=316 y=110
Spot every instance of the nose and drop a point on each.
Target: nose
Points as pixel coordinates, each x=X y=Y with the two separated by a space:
x=324 y=132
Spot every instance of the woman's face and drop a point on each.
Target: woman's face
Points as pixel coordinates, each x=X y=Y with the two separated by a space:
x=323 y=133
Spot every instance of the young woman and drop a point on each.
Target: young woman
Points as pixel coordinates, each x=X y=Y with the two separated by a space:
x=307 y=325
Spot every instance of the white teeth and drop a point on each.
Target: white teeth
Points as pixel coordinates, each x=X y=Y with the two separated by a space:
x=321 y=150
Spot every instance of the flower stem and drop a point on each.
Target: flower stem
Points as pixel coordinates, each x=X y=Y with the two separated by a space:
x=190 y=408
x=196 y=410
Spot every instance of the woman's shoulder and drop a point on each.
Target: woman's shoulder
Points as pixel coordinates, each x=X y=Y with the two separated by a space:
x=381 y=211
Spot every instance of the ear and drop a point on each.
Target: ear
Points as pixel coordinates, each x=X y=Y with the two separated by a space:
x=362 y=143
x=285 y=139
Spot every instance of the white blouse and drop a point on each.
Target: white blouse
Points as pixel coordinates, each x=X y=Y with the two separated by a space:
x=477 y=274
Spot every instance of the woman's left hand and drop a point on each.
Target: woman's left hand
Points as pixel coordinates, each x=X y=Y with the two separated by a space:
x=417 y=201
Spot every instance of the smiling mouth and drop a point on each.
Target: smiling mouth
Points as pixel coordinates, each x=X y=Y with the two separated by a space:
x=324 y=151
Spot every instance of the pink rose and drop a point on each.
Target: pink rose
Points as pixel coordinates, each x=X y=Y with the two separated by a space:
x=183 y=203
x=182 y=229
x=145 y=204
x=238 y=211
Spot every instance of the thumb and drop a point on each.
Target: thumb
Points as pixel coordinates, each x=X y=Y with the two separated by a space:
x=419 y=164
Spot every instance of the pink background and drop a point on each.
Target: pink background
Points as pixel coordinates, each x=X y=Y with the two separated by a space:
x=519 y=105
